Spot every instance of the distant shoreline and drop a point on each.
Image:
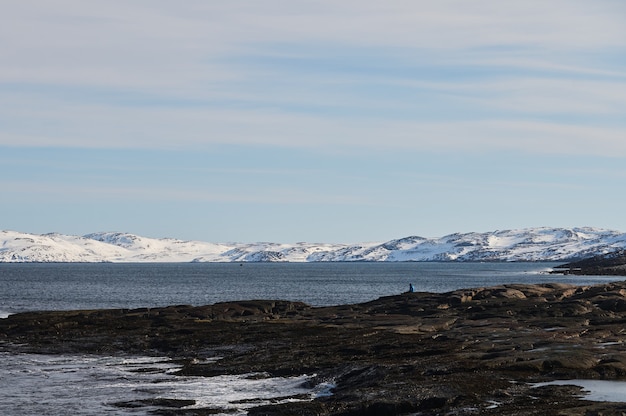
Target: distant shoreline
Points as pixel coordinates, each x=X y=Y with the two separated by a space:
x=527 y=245
x=611 y=264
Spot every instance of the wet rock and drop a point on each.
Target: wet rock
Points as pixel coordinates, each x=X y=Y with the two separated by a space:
x=160 y=402
x=471 y=351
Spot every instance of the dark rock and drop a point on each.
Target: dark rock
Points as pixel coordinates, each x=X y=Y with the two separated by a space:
x=611 y=264
x=175 y=403
x=414 y=353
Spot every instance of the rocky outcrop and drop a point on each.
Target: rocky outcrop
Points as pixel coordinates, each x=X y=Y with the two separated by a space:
x=612 y=264
x=471 y=351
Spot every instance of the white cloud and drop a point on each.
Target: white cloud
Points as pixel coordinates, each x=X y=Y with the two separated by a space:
x=171 y=44
x=97 y=126
x=66 y=192
x=67 y=52
x=548 y=96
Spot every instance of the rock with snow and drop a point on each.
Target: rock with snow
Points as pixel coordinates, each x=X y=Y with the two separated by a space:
x=531 y=244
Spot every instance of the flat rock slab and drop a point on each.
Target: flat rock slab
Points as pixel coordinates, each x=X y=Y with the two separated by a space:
x=471 y=351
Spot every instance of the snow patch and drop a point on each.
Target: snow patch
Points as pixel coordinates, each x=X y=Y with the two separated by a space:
x=532 y=244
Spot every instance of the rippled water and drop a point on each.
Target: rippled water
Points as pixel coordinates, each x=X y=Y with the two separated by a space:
x=26 y=287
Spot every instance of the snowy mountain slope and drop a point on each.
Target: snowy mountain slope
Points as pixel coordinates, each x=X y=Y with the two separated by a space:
x=21 y=247
x=144 y=249
x=532 y=244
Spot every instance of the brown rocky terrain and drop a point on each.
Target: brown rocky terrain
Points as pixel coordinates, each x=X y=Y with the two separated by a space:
x=467 y=352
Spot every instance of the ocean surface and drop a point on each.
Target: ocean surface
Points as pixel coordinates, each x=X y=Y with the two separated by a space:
x=86 y=385
x=63 y=286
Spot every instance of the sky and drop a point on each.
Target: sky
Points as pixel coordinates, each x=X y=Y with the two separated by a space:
x=318 y=121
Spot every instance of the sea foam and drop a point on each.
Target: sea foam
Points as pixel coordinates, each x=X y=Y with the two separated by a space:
x=89 y=384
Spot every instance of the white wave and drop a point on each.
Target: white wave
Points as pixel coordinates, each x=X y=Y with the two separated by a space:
x=4 y=314
x=83 y=384
x=324 y=389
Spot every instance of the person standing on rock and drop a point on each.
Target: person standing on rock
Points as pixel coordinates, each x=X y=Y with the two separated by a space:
x=411 y=288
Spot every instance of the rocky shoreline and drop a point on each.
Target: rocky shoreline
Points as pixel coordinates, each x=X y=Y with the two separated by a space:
x=611 y=264
x=466 y=352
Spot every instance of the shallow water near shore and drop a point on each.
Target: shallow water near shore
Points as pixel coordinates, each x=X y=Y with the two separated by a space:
x=595 y=390
x=87 y=385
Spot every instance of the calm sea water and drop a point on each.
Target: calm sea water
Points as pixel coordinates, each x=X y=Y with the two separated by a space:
x=88 y=385
x=26 y=287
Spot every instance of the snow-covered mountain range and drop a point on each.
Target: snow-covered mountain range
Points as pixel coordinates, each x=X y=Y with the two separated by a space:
x=531 y=244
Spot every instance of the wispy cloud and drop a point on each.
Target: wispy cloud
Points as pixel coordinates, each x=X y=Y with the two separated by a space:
x=152 y=74
x=56 y=192
x=360 y=84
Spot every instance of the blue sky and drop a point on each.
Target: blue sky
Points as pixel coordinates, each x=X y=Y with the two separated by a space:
x=318 y=121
